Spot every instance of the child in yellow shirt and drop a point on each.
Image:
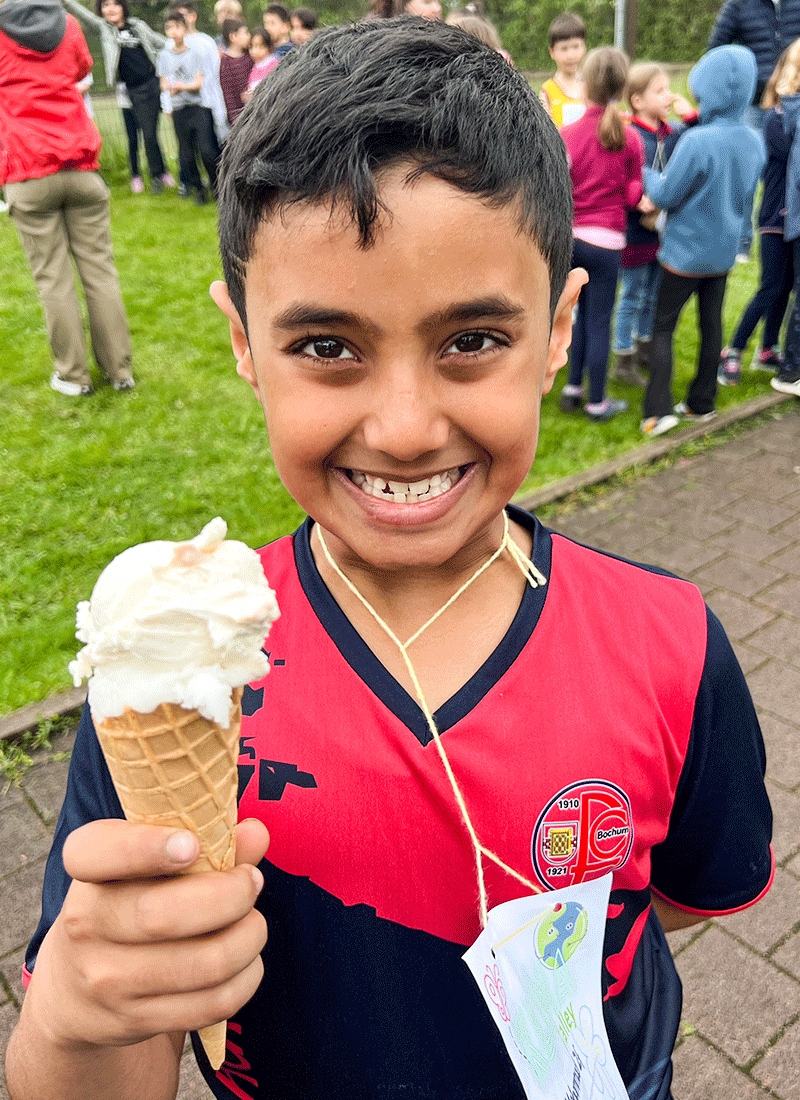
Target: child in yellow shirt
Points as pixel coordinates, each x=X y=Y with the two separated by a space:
x=563 y=94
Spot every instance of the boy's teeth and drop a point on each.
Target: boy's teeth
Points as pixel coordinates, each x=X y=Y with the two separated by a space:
x=406 y=492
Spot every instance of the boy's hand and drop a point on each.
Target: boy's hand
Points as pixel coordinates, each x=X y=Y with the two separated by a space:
x=140 y=949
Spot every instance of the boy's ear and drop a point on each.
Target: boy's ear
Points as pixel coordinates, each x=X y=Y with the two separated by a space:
x=561 y=331
x=241 y=347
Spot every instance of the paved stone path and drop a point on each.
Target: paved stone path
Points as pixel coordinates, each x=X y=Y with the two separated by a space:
x=729 y=520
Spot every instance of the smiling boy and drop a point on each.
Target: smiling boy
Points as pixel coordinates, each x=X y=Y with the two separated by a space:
x=399 y=298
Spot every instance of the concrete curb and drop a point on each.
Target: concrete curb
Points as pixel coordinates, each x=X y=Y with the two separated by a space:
x=67 y=702
x=647 y=453
x=27 y=717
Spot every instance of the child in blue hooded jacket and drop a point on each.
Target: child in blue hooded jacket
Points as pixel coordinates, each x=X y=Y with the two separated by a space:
x=704 y=190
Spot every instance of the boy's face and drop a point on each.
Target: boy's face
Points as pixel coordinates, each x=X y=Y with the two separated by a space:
x=300 y=34
x=276 y=28
x=427 y=9
x=112 y=12
x=241 y=38
x=401 y=383
x=176 y=32
x=258 y=48
x=568 y=54
x=189 y=16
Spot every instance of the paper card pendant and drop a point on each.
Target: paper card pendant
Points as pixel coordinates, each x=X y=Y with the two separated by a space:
x=538 y=964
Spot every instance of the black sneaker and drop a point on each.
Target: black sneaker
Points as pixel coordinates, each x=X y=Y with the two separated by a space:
x=570 y=402
x=201 y=198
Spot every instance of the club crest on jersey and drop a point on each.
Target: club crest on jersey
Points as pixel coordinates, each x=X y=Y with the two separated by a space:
x=583 y=832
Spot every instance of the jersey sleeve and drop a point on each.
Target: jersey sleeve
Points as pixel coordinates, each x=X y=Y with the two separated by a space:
x=716 y=857
x=90 y=796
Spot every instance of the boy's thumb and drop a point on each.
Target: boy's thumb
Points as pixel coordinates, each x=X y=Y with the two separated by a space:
x=252 y=841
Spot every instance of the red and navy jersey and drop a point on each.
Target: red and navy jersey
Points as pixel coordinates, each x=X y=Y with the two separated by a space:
x=611 y=730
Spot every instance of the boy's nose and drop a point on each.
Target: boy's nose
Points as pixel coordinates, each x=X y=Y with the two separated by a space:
x=406 y=420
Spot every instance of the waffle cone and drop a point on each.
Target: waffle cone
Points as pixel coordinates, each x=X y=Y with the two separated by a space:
x=174 y=767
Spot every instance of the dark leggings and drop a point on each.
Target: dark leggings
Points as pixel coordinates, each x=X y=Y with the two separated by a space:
x=591 y=332
x=146 y=107
x=132 y=132
x=793 y=328
x=674 y=292
x=772 y=296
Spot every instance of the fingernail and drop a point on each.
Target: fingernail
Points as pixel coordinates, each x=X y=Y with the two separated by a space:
x=181 y=847
x=258 y=879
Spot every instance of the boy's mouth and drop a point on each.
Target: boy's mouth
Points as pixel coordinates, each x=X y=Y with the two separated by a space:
x=407 y=492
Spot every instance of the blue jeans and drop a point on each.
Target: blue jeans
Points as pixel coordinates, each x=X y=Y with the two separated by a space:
x=636 y=304
x=755 y=117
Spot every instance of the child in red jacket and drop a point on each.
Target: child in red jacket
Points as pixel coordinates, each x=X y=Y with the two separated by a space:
x=49 y=149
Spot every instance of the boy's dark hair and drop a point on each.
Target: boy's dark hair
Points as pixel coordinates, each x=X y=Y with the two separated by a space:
x=279 y=10
x=362 y=97
x=308 y=18
x=98 y=7
x=564 y=26
x=187 y=5
x=259 y=32
x=173 y=16
x=229 y=27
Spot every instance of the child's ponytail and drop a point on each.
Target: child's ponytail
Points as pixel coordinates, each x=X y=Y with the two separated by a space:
x=605 y=71
x=611 y=130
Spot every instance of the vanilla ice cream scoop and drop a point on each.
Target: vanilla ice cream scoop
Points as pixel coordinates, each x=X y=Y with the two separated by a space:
x=175 y=622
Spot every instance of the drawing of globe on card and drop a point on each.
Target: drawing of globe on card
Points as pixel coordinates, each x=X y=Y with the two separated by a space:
x=559 y=932
x=538 y=964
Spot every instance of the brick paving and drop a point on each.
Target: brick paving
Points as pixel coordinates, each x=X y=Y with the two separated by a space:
x=728 y=519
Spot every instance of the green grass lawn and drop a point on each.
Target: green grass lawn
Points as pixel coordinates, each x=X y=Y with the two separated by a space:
x=84 y=478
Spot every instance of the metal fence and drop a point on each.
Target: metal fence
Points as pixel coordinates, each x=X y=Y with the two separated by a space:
x=108 y=119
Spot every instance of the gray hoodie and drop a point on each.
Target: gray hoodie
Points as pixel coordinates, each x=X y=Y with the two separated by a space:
x=37 y=26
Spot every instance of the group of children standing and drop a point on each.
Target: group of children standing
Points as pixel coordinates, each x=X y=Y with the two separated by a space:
x=245 y=58
x=658 y=208
x=202 y=82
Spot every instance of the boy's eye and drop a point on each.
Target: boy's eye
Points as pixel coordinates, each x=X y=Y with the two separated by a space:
x=470 y=343
x=325 y=347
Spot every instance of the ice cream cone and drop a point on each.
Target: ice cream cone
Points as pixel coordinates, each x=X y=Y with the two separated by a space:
x=175 y=767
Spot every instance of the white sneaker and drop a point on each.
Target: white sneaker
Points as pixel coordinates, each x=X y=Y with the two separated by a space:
x=786 y=384
x=70 y=389
x=124 y=384
x=743 y=257
x=657 y=425
x=685 y=413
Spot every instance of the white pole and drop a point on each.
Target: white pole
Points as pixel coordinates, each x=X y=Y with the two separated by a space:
x=619 y=24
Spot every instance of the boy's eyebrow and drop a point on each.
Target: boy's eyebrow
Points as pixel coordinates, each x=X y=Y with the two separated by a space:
x=302 y=316
x=494 y=306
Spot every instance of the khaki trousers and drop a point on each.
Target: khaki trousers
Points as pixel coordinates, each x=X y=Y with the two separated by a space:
x=61 y=218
